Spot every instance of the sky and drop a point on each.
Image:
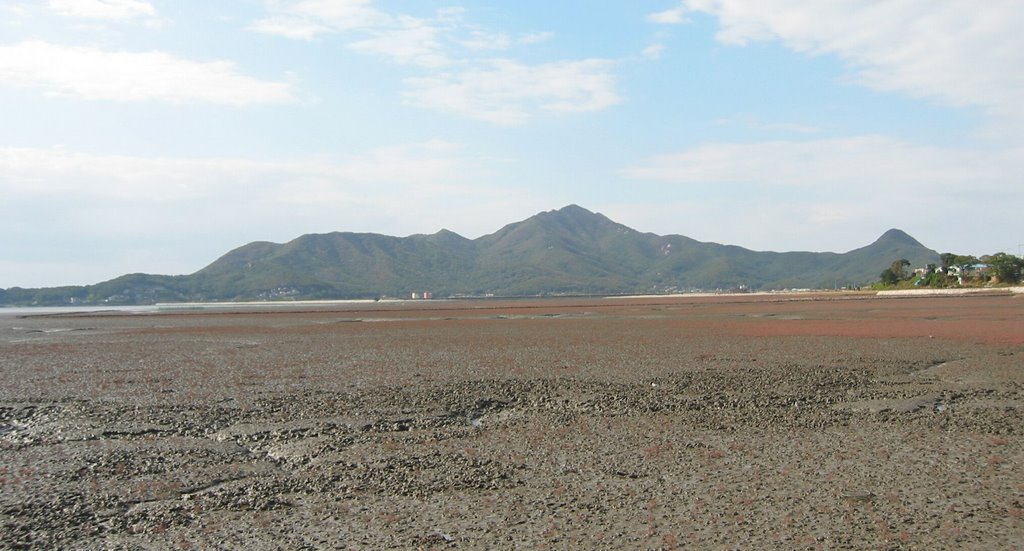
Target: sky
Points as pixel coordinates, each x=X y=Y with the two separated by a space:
x=154 y=136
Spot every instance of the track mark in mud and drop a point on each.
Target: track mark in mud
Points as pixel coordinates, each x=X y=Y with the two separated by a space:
x=211 y=486
x=927 y=402
x=140 y=430
x=426 y=474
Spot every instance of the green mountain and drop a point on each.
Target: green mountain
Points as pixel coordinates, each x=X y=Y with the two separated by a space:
x=567 y=251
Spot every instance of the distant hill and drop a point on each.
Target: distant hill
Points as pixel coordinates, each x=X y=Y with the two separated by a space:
x=566 y=251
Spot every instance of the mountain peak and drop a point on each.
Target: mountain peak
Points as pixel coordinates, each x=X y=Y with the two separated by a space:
x=895 y=235
x=573 y=209
x=447 y=234
x=577 y=215
x=576 y=218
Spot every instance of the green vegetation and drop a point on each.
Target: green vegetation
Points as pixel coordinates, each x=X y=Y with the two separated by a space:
x=896 y=272
x=955 y=271
x=568 y=251
x=1005 y=268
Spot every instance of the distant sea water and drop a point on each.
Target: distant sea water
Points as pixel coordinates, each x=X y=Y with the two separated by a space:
x=43 y=310
x=177 y=306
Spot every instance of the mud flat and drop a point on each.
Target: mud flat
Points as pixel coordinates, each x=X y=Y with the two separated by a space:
x=817 y=421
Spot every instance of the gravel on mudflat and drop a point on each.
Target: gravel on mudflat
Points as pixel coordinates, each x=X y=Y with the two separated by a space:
x=837 y=421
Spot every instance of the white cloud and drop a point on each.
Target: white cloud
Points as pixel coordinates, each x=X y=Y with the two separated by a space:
x=295 y=28
x=672 y=16
x=103 y=9
x=15 y=12
x=479 y=39
x=862 y=162
x=194 y=209
x=305 y=19
x=414 y=42
x=787 y=127
x=958 y=52
x=341 y=14
x=824 y=194
x=753 y=123
x=653 y=51
x=482 y=40
x=404 y=39
x=93 y=74
x=161 y=179
x=507 y=92
x=457 y=76
x=536 y=38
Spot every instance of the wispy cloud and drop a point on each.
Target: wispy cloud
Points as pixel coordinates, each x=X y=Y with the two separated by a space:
x=158 y=179
x=836 y=188
x=506 y=92
x=754 y=123
x=537 y=37
x=103 y=9
x=862 y=162
x=955 y=52
x=296 y=28
x=951 y=53
x=412 y=41
x=308 y=18
x=482 y=40
x=198 y=208
x=458 y=73
x=672 y=16
x=93 y=74
x=14 y=11
x=787 y=127
x=653 y=51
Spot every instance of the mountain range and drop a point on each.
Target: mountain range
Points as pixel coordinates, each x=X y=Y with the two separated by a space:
x=567 y=251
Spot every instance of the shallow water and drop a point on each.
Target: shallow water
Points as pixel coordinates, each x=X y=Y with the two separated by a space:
x=43 y=310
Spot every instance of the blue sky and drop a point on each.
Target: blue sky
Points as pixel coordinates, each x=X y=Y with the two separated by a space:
x=152 y=136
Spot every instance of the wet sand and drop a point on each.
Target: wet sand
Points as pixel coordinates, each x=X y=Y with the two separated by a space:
x=804 y=422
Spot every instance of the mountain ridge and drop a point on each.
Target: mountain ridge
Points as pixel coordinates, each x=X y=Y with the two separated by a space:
x=565 y=251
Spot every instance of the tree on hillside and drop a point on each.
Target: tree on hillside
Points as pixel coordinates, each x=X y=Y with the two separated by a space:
x=895 y=273
x=948 y=259
x=899 y=268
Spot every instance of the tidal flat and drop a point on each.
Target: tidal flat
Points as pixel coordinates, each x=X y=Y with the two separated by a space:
x=775 y=421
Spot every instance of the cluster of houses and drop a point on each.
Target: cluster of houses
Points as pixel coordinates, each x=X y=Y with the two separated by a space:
x=961 y=273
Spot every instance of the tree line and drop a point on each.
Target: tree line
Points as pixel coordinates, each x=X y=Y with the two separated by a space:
x=957 y=270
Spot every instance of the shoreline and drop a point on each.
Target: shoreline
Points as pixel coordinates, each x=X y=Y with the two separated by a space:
x=493 y=302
